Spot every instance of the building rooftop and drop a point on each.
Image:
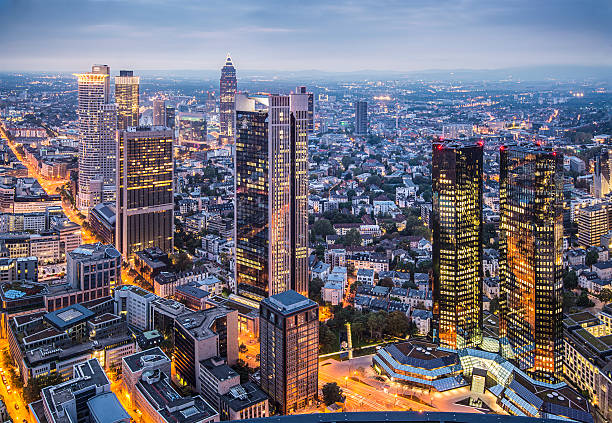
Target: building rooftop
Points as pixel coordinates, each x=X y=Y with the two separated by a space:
x=243 y=396
x=106 y=408
x=67 y=317
x=218 y=368
x=288 y=302
x=94 y=251
x=198 y=323
x=139 y=361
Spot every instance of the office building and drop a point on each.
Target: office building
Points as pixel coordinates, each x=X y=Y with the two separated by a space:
x=246 y=401
x=216 y=379
x=271 y=220
x=289 y=339
x=93 y=269
x=227 y=102
x=146 y=376
x=127 y=96
x=134 y=303
x=78 y=399
x=457 y=246
x=97 y=126
x=159 y=112
x=170 y=116
x=531 y=262
x=145 y=202
x=204 y=334
x=593 y=223
x=302 y=90
x=361 y=118
x=19 y=269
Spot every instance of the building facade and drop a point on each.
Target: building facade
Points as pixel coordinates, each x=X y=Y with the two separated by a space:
x=227 y=103
x=289 y=337
x=271 y=218
x=127 y=97
x=97 y=126
x=531 y=260
x=457 y=249
x=361 y=118
x=145 y=202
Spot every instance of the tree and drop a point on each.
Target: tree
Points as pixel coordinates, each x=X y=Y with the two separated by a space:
x=397 y=324
x=323 y=227
x=181 y=261
x=328 y=341
x=314 y=290
x=332 y=393
x=376 y=324
x=584 y=300
x=570 y=280
x=352 y=237
x=494 y=305
x=388 y=282
x=32 y=391
x=592 y=256
x=606 y=295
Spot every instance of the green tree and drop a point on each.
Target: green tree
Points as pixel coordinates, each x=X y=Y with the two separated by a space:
x=388 y=282
x=332 y=393
x=352 y=237
x=397 y=324
x=323 y=227
x=328 y=341
x=570 y=280
x=182 y=262
x=584 y=300
x=314 y=290
x=606 y=295
x=592 y=256
x=494 y=305
x=376 y=324
x=35 y=385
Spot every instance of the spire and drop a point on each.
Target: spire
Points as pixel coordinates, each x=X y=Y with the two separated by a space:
x=228 y=61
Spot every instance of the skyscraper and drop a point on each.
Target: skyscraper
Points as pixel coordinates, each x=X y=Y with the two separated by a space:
x=170 y=116
x=227 y=102
x=145 y=203
x=159 y=112
x=97 y=126
x=302 y=90
x=127 y=95
x=602 y=177
x=457 y=248
x=531 y=262
x=271 y=220
x=361 y=118
x=289 y=339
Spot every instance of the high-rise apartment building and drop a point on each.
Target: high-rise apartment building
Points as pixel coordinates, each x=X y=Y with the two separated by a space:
x=145 y=203
x=593 y=222
x=302 y=90
x=457 y=244
x=289 y=338
x=531 y=261
x=97 y=126
x=361 y=118
x=271 y=219
x=227 y=102
x=127 y=95
x=170 y=116
x=159 y=112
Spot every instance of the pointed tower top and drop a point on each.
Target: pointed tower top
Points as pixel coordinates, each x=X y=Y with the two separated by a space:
x=228 y=61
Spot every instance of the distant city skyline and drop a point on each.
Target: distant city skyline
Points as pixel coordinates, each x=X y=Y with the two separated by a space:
x=329 y=36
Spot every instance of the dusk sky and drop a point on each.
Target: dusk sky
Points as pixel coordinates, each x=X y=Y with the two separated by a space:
x=338 y=35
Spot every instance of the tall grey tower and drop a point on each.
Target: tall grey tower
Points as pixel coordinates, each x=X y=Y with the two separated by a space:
x=227 y=102
x=361 y=118
x=97 y=127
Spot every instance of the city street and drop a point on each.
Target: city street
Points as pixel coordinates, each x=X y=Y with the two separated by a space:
x=15 y=405
x=365 y=392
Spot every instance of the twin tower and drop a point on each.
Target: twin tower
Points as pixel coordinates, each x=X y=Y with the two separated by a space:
x=531 y=234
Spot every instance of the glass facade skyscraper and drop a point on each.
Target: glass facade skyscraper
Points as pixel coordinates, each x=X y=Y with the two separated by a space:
x=227 y=102
x=271 y=217
x=145 y=203
x=361 y=118
x=531 y=260
x=127 y=95
x=457 y=244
